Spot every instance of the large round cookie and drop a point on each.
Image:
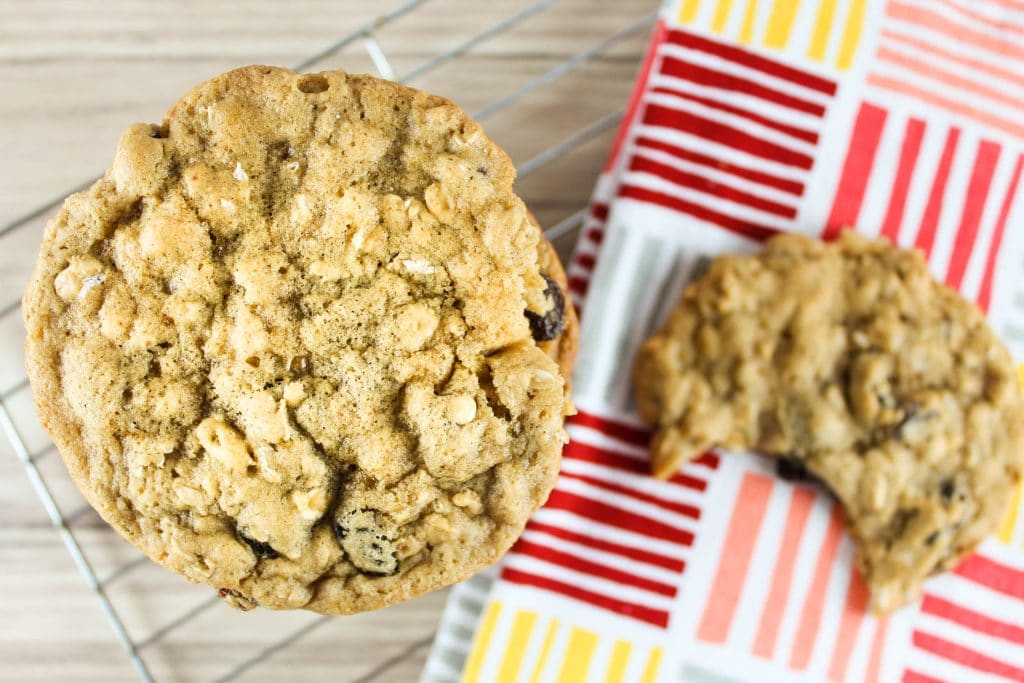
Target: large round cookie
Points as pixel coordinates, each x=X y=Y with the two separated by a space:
x=849 y=359
x=286 y=344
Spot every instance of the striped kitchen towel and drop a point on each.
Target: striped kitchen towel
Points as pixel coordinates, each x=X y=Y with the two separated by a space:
x=751 y=117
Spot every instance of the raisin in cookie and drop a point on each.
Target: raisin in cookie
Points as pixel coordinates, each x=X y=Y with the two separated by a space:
x=555 y=327
x=288 y=345
x=851 y=361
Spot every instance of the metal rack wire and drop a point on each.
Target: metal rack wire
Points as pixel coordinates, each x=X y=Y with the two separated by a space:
x=137 y=645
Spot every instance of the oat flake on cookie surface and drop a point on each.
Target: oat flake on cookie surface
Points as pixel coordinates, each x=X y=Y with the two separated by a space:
x=851 y=362
x=283 y=344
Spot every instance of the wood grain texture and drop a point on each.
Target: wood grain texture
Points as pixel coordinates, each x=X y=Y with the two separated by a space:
x=73 y=75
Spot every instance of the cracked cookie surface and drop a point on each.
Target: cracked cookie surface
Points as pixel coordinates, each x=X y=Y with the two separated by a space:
x=284 y=345
x=851 y=362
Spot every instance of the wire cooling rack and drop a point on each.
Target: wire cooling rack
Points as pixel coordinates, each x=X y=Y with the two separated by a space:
x=530 y=103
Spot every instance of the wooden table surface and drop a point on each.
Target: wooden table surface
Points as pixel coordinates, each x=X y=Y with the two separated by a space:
x=73 y=74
